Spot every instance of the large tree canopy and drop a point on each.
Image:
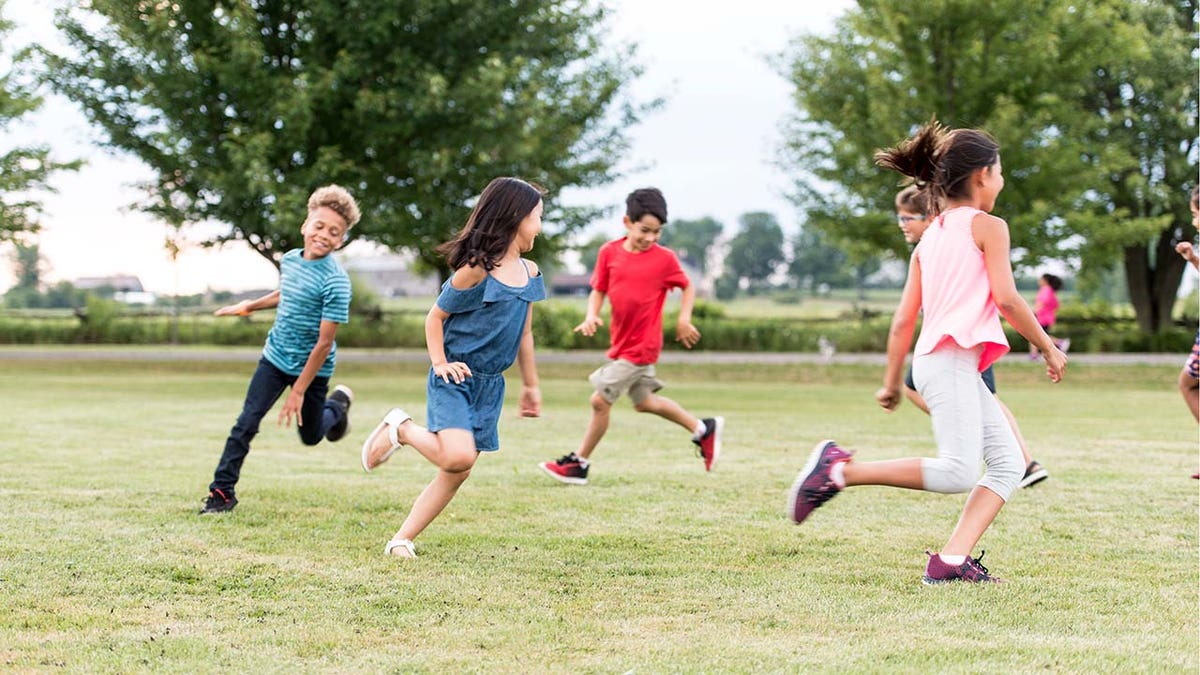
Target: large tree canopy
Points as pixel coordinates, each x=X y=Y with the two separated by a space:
x=1094 y=105
x=24 y=169
x=242 y=108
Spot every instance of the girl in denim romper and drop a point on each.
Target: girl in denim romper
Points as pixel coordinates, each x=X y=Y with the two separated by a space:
x=479 y=325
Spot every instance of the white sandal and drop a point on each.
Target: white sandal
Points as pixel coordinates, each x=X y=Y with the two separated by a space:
x=401 y=548
x=391 y=421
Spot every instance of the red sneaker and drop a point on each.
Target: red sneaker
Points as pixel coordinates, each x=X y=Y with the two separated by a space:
x=710 y=442
x=814 y=486
x=567 y=469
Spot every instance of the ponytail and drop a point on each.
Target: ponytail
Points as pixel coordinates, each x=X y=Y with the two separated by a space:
x=939 y=160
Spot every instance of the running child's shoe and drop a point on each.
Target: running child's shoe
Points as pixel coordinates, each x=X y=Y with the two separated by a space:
x=710 y=443
x=218 y=502
x=1034 y=474
x=341 y=396
x=937 y=571
x=814 y=485
x=567 y=469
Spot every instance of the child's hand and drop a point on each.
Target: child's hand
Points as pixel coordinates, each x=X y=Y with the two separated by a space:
x=888 y=398
x=1056 y=363
x=589 y=325
x=291 y=407
x=457 y=371
x=1184 y=248
x=687 y=334
x=531 y=402
x=240 y=309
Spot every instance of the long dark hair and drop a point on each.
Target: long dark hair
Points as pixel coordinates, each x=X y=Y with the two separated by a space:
x=940 y=160
x=492 y=224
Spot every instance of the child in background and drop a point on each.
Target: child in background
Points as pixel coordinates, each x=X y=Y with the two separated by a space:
x=913 y=215
x=1045 y=306
x=479 y=324
x=300 y=352
x=636 y=273
x=1189 y=377
x=960 y=277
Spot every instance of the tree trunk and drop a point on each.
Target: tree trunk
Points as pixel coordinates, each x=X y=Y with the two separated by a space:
x=1153 y=284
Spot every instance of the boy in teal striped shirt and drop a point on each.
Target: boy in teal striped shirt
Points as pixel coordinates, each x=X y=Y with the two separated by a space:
x=300 y=352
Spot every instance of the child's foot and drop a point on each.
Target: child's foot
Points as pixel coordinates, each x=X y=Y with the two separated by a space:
x=1034 y=474
x=814 y=485
x=342 y=396
x=1064 y=344
x=400 y=548
x=938 y=571
x=710 y=442
x=383 y=441
x=567 y=469
x=218 y=501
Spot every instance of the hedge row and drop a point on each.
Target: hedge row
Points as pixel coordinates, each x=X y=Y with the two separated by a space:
x=553 y=328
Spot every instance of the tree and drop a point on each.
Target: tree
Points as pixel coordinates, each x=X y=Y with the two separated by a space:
x=1028 y=72
x=1142 y=139
x=25 y=170
x=243 y=108
x=692 y=239
x=589 y=250
x=815 y=262
x=756 y=251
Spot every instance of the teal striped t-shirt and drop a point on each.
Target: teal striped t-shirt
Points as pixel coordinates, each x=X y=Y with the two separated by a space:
x=310 y=291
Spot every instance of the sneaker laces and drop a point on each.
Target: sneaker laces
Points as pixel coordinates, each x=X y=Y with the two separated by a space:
x=975 y=569
x=568 y=458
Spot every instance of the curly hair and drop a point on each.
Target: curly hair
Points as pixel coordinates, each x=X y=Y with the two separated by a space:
x=493 y=223
x=337 y=198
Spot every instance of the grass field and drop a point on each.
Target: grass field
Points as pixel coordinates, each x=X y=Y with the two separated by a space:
x=654 y=567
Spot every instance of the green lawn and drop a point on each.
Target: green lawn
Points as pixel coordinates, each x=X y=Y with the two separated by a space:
x=654 y=567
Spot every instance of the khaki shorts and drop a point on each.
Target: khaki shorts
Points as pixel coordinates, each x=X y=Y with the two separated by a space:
x=617 y=377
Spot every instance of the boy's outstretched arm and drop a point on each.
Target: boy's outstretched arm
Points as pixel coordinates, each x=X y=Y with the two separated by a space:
x=531 y=395
x=685 y=332
x=316 y=359
x=244 y=307
x=592 y=320
x=904 y=320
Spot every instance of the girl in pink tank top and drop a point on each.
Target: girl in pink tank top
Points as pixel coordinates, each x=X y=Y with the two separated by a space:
x=960 y=276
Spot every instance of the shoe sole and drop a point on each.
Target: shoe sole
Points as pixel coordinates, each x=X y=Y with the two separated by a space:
x=1034 y=478
x=720 y=429
x=794 y=492
x=562 y=479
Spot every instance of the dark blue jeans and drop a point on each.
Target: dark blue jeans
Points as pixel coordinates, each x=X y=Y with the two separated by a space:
x=266 y=386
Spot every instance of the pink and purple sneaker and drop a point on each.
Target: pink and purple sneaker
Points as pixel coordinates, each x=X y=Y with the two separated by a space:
x=814 y=485
x=938 y=571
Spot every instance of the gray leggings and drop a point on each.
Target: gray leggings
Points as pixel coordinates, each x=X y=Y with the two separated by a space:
x=968 y=425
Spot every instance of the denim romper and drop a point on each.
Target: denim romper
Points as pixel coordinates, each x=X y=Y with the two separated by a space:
x=484 y=331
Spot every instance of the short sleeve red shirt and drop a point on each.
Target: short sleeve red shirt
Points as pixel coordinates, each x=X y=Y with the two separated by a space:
x=636 y=285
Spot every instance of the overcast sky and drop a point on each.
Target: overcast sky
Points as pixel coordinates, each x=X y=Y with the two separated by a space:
x=711 y=148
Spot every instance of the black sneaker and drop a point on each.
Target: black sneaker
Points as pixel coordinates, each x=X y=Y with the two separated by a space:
x=218 y=502
x=567 y=469
x=1034 y=474
x=342 y=396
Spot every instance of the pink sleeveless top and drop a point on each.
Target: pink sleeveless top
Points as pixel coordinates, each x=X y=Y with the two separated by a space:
x=956 y=297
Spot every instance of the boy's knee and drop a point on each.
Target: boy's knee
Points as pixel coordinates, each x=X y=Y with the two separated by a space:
x=646 y=404
x=310 y=437
x=600 y=404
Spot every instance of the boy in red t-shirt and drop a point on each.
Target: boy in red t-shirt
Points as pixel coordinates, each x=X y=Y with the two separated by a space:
x=636 y=274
